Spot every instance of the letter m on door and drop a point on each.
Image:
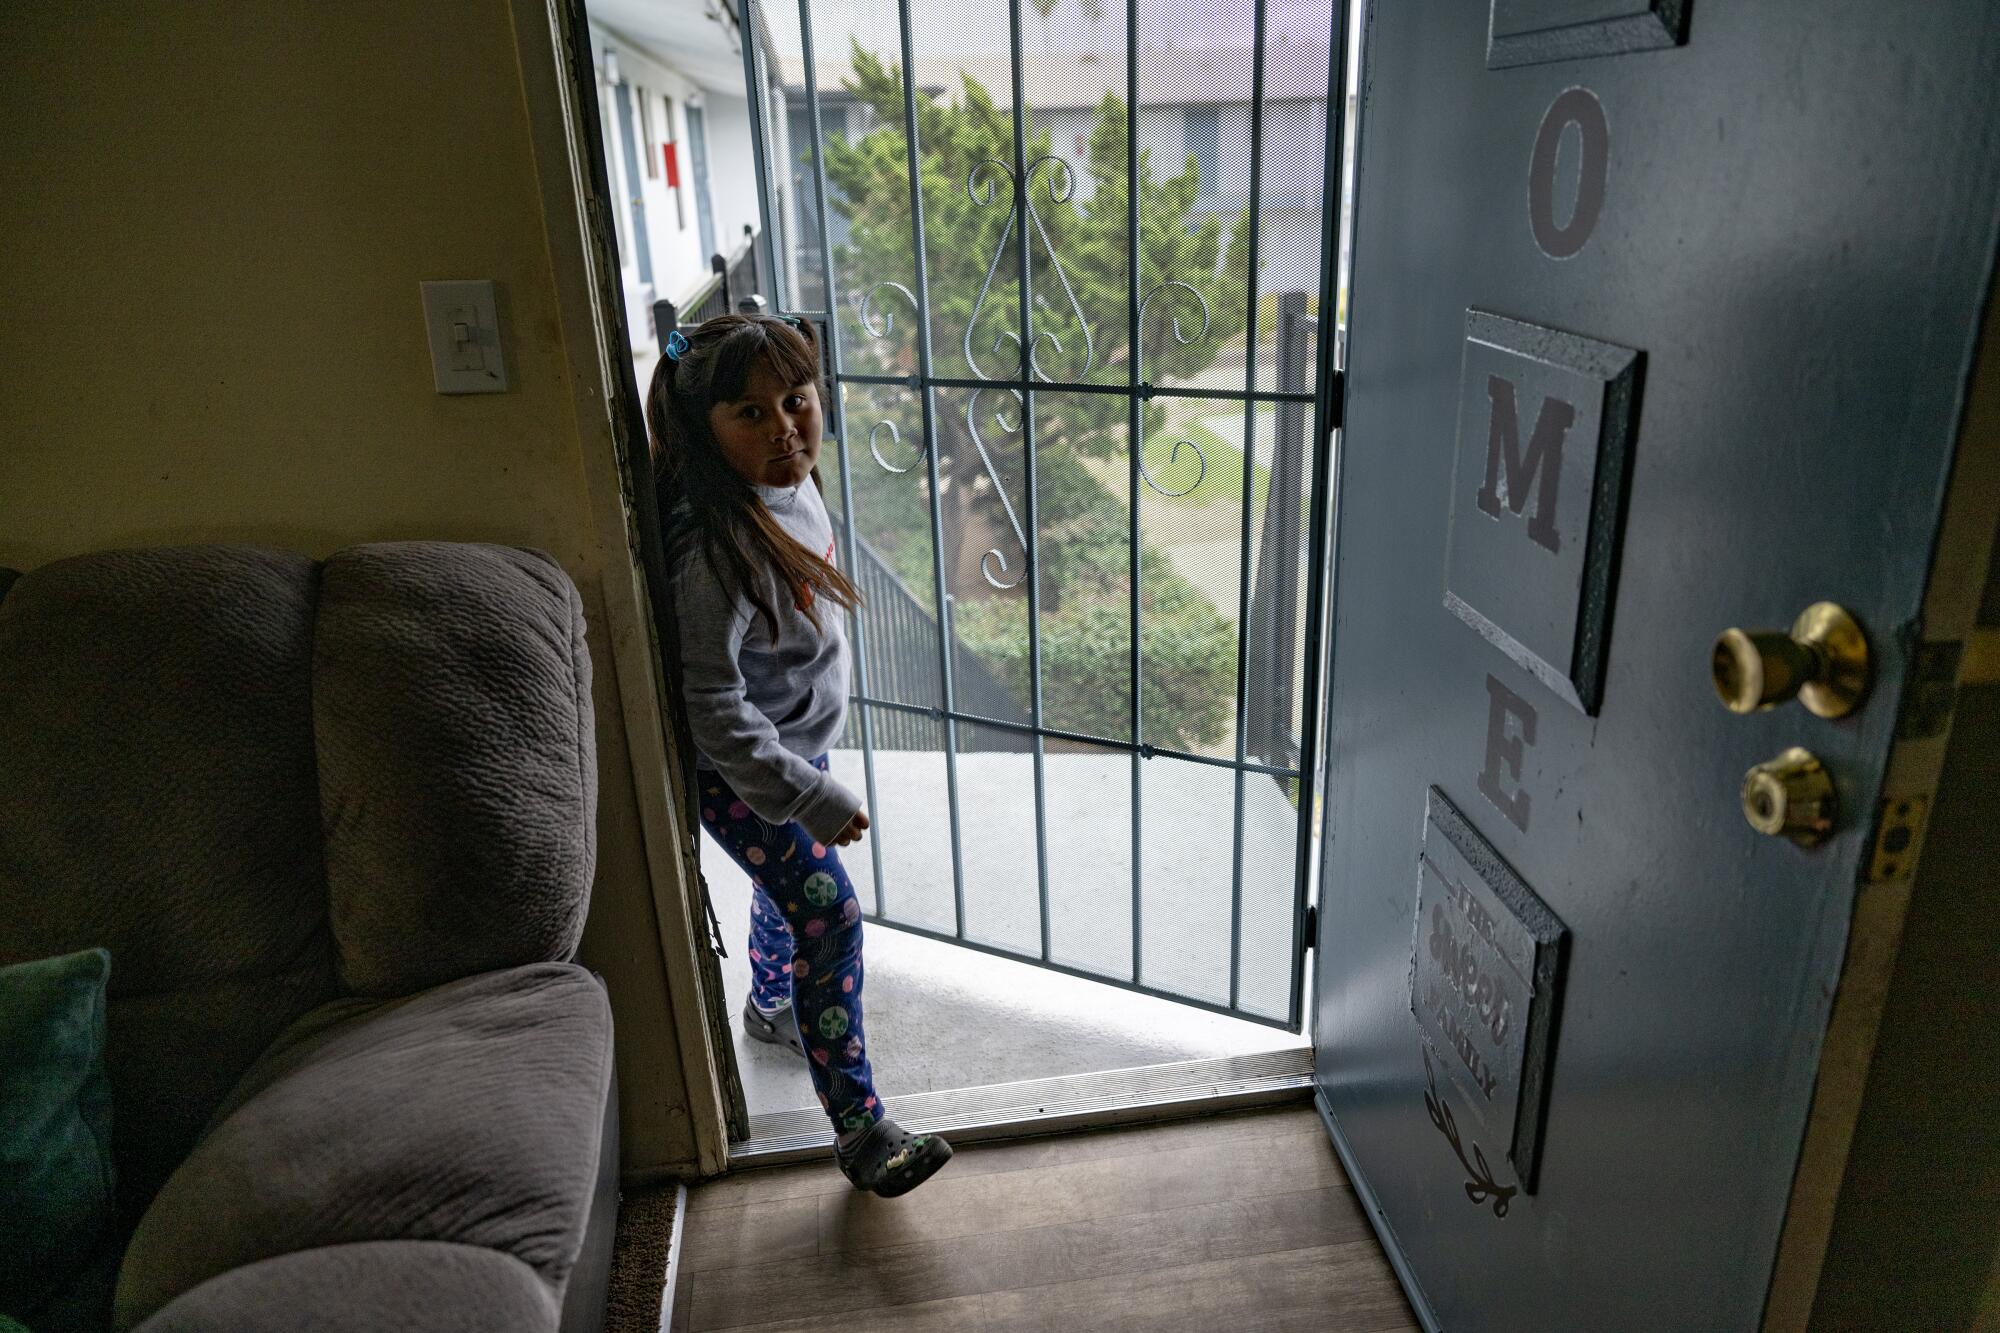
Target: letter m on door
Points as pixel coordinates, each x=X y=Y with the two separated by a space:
x=1511 y=475
x=1545 y=419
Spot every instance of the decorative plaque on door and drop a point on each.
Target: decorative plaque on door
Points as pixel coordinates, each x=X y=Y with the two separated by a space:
x=1545 y=423
x=1533 y=32
x=1485 y=982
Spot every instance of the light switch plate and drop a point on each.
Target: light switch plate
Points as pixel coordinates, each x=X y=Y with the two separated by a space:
x=464 y=328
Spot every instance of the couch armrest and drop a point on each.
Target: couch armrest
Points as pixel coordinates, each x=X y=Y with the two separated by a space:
x=395 y=1286
x=470 y=1114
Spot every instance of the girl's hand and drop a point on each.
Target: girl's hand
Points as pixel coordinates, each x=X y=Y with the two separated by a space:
x=853 y=831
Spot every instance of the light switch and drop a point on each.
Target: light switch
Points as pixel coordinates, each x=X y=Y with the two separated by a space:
x=464 y=328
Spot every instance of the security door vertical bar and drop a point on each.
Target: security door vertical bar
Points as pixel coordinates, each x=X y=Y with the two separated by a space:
x=754 y=88
x=1249 y=495
x=914 y=155
x=1135 y=433
x=1033 y=573
x=1328 y=396
x=840 y=434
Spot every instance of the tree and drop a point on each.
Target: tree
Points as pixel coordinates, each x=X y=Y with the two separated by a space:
x=1077 y=266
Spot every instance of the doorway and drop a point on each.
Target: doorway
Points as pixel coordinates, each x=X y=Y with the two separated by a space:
x=1079 y=390
x=1078 y=440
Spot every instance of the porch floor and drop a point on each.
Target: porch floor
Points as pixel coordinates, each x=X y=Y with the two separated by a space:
x=942 y=1017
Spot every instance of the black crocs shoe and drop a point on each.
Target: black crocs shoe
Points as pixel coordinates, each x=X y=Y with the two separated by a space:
x=780 y=1029
x=890 y=1160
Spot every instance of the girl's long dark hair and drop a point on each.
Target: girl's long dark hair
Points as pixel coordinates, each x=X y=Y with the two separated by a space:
x=704 y=504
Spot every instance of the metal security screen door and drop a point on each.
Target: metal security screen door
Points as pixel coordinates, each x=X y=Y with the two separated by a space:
x=1068 y=273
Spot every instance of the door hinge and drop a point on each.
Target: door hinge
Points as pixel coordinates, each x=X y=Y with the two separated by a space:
x=1310 y=938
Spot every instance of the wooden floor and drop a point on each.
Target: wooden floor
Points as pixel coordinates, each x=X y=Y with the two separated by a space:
x=1241 y=1222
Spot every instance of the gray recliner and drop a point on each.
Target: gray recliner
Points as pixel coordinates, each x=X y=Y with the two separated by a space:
x=335 y=822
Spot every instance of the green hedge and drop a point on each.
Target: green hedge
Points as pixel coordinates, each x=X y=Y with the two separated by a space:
x=1189 y=670
x=1189 y=648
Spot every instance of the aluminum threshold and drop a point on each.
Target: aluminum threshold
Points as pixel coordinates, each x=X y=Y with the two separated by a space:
x=1054 y=1105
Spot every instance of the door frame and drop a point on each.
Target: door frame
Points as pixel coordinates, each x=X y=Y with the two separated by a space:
x=559 y=85
x=1960 y=563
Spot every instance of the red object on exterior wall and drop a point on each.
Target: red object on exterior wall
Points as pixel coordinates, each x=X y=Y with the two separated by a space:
x=673 y=165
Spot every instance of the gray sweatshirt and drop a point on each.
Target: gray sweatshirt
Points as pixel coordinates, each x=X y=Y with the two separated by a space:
x=761 y=708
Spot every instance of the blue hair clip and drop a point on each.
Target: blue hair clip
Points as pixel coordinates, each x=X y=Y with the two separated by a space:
x=677 y=345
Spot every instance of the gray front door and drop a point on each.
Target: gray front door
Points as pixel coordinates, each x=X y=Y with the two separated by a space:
x=1660 y=318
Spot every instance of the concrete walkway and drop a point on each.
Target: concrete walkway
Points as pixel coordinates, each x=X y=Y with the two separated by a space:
x=941 y=1016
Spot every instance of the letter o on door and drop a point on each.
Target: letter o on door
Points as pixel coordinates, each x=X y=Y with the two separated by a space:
x=1579 y=107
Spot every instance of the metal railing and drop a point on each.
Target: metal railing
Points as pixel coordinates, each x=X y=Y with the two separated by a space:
x=901 y=636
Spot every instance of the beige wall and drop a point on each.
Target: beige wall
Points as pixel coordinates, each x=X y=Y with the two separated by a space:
x=213 y=224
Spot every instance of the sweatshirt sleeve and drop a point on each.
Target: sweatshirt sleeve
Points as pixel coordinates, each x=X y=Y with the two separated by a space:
x=738 y=739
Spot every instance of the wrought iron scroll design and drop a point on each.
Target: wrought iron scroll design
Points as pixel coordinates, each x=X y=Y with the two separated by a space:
x=994 y=555
x=979 y=187
x=888 y=316
x=868 y=312
x=895 y=437
x=1183 y=338
x=1481 y=1187
x=982 y=187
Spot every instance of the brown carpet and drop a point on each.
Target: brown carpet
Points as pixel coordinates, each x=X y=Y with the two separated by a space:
x=639 y=1260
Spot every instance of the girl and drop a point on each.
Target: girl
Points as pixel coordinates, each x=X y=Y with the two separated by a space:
x=735 y=414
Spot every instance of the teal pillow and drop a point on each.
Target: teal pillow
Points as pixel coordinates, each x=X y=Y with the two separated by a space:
x=56 y=1184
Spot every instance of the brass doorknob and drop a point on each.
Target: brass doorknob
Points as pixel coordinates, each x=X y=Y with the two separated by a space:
x=1790 y=797
x=1823 y=661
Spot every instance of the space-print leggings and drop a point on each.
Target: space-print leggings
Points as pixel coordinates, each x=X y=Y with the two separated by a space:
x=805 y=944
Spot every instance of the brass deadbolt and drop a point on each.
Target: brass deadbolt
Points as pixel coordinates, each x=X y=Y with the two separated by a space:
x=1790 y=797
x=1823 y=661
